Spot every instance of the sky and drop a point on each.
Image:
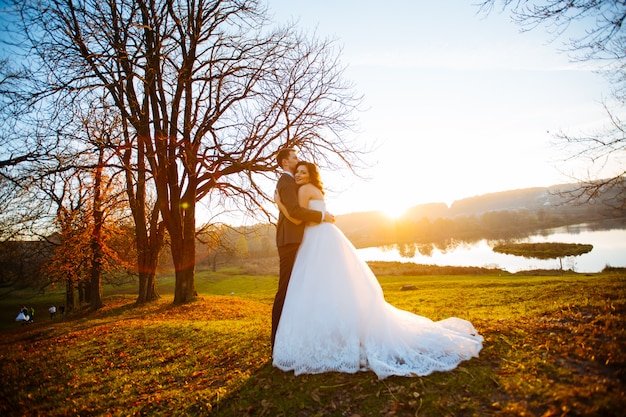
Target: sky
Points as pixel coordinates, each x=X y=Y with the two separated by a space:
x=459 y=104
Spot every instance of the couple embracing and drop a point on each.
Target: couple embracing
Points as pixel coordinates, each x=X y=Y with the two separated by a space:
x=330 y=313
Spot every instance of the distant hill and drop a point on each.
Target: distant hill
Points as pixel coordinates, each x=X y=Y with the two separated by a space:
x=430 y=210
x=524 y=199
x=537 y=199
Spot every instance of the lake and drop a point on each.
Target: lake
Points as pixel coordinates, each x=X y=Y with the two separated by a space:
x=609 y=248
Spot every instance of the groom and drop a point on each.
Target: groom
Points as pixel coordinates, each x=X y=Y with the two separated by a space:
x=288 y=234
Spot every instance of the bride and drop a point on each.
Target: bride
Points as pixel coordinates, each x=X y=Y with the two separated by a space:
x=335 y=317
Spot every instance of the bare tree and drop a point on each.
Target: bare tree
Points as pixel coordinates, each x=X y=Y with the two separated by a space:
x=217 y=242
x=86 y=207
x=105 y=196
x=148 y=227
x=20 y=254
x=75 y=187
x=144 y=207
x=603 y=42
x=207 y=91
x=37 y=118
x=70 y=260
x=20 y=145
x=42 y=141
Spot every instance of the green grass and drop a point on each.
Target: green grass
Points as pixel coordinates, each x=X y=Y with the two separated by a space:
x=554 y=345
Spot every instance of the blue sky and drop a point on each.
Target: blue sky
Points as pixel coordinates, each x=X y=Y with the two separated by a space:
x=460 y=103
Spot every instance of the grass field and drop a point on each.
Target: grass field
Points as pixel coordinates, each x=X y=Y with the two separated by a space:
x=554 y=346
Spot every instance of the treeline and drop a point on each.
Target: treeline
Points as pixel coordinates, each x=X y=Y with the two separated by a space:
x=223 y=245
x=410 y=235
x=34 y=264
x=29 y=264
x=445 y=233
x=497 y=216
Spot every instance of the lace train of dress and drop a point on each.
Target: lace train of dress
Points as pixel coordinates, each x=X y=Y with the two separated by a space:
x=335 y=318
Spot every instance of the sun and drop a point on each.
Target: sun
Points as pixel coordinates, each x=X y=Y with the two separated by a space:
x=393 y=211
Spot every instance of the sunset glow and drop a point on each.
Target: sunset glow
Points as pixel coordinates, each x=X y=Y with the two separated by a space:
x=394 y=211
x=455 y=110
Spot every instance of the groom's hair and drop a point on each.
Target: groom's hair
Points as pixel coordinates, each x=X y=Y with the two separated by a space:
x=283 y=154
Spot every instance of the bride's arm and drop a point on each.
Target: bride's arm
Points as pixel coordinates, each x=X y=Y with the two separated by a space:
x=283 y=209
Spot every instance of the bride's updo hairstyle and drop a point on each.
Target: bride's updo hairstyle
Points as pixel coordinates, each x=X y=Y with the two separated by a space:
x=314 y=174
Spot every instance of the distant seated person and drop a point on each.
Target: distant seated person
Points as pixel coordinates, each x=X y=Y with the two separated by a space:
x=23 y=316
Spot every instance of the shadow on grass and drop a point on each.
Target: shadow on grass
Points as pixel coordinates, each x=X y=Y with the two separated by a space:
x=568 y=363
x=271 y=392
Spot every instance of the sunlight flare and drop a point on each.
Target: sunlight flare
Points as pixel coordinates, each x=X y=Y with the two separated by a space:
x=394 y=211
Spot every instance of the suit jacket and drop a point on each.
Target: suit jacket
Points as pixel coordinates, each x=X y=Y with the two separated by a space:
x=287 y=232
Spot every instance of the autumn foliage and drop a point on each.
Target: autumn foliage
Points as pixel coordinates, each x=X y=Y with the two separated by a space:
x=553 y=346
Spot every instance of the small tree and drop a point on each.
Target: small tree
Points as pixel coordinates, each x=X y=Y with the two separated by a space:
x=547 y=250
x=69 y=263
x=218 y=242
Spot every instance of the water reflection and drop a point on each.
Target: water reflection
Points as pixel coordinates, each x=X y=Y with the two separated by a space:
x=609 y=248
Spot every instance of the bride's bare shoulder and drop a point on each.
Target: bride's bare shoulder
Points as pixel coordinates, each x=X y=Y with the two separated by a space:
x=307 y=189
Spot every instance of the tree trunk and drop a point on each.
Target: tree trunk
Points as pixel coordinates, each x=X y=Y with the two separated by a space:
x=82 y=293
x=97 y=253
x=184 y=256
x=149 y=232
x=147 y=287
x=185 y=285
x=95 y=287
x=148 y=250
x=69 y=295
x=95 y=298
x=148 y=259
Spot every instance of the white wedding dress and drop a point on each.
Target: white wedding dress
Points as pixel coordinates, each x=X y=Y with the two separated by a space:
x=335 y=318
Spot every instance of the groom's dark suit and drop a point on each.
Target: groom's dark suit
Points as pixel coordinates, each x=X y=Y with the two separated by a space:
x=288 y=238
